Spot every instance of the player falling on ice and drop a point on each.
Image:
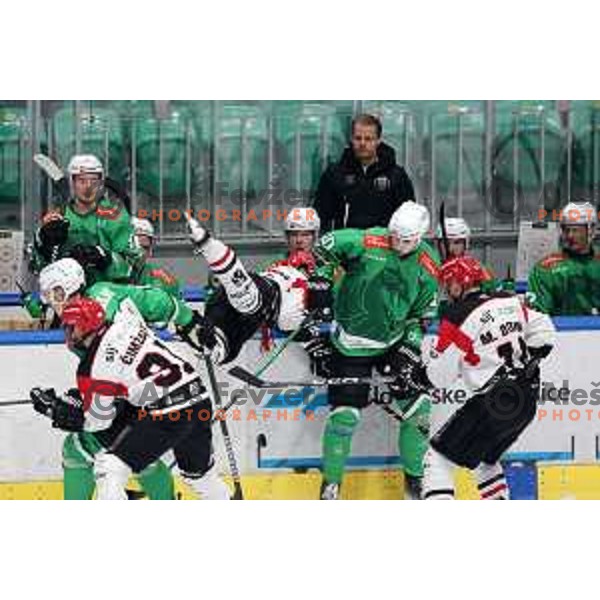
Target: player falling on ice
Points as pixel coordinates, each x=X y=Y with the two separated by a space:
x=493 y=343
x=278 y=296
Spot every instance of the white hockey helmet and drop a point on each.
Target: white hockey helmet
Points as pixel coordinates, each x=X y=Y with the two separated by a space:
x=84 y=164
x=293 y=288
x=303 y=218
x=456 y=229
x=578 y=213
x=408 y=225
x=65 y=273
x=142 y=227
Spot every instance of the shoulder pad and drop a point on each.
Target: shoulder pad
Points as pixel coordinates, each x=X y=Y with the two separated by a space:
x=552 y=260
x=372 y=240
x=428 y=264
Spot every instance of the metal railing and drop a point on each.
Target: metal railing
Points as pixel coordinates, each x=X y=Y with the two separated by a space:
x=496 y=163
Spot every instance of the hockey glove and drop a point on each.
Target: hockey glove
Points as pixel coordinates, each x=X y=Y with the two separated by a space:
x=66 y=414
x=320 y=299
x=53 y=233
x=198 y=333
x=320 y=353
x=94 y=257
x=198 y=235
x=409 y=371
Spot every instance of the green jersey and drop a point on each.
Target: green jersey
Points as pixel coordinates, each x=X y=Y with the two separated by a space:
x=154 y=275
x=156 y=306
x=566 y=284
x=108 y=226
x=382 y=297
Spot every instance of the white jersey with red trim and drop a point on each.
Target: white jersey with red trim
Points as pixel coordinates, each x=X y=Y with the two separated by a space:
x=128 y=361
x=480 y=334
x=293 y=293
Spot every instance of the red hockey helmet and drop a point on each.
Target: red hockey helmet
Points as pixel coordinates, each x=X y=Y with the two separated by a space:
x=465 y=270
x=84 y=314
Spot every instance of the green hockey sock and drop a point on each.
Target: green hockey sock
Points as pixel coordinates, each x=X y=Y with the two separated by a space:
x=337 y=442
x=413 y=439
x=156 y=480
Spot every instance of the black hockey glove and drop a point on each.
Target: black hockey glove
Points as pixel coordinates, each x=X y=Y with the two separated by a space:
x=320 y=299
x=66 y=414
x=320 y=353
x=94 y=257
x=198 y=333
x=410 y=373
x=52 y=234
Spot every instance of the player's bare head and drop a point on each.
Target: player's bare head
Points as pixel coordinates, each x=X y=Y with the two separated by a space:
x=459 y=276
x=407 y=227
x=578 y=226
x=81 y=318
x=143 y=231
x=302 y=228
x=366 y=137
x=458 y=234
x=61 y=281
x=86 y=178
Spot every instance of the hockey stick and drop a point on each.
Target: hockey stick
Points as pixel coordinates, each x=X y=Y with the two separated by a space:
x=442 y=219
x=233 y=467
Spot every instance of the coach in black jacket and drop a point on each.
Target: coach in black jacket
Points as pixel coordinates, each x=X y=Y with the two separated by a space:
x=366 y=186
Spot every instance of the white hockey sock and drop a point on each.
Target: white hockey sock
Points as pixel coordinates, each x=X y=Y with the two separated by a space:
x=438 y=477
x=491 y=482
x=209 y=486
x=111 y=476
x=242 y=292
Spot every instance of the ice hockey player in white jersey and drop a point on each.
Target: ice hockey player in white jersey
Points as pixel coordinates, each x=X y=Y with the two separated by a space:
x=494 y=344
x=281 y=296
x=139 y=397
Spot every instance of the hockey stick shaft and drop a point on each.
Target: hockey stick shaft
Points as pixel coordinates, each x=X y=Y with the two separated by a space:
x=233 y=466
x=442 y=219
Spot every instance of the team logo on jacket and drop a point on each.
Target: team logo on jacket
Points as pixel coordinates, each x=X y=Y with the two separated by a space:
x=238 y=277
x=350 y=179
x=382 y=183
x=376 y=241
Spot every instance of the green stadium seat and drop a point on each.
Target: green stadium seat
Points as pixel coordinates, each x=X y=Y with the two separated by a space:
x=239 y=137
x=531 y=119
x=310 y=136
x=444 y=123
x=585 y=125
x=178 y=138
x=101 y=135
x=13 y=131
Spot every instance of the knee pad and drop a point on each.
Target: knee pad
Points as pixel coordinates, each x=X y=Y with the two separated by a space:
x=111 y=476
x=438 y=479
x=343 y=420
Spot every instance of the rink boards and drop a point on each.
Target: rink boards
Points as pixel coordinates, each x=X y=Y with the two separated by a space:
x=277 y=436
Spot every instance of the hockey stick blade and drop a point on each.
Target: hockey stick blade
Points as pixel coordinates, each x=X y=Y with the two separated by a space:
x=48 y=166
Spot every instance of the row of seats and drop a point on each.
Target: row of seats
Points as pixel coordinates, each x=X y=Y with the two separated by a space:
x=200 y=141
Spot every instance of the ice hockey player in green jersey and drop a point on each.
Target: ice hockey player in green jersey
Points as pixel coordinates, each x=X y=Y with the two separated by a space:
x=568 y=282
x=147 y=272
x=91 y=228
x=64 y=280
x=388 y=288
